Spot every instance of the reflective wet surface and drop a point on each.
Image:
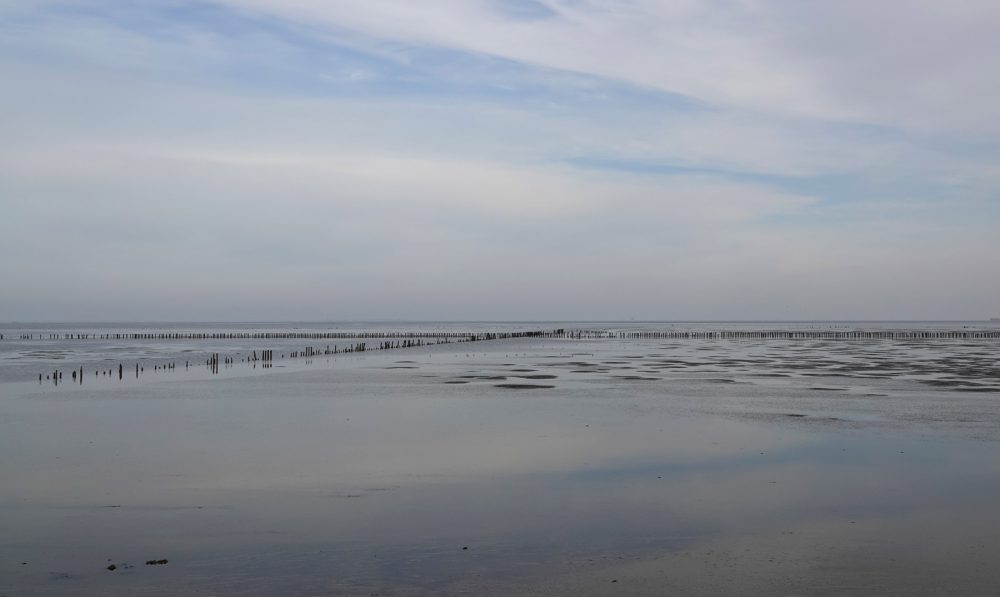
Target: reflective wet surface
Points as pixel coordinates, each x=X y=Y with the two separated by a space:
x=539 y=466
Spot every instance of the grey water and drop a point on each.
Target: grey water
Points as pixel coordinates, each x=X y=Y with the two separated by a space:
x=516 y=466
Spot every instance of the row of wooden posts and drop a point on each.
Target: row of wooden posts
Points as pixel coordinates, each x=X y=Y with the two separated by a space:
x=408 y=339
x=266 y=357
x=76 y=375
x=293 y=335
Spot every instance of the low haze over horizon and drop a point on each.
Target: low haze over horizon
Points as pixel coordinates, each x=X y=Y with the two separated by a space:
x=276 y=160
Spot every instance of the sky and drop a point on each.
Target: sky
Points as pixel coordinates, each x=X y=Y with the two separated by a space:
x=238 y=160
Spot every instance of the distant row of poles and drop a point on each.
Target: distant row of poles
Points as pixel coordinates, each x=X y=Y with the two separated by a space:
x=408 y=339
x=468 y=336
x=266 y=357
x=418 y=339
x=76 y=375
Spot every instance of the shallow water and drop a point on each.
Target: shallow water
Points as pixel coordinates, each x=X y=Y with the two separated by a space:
x=647 y=467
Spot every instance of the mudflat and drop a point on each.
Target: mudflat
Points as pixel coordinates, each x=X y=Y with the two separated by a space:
x=557 y=466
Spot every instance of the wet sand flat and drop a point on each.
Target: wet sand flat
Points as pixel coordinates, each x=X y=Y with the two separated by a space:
x=740 y=467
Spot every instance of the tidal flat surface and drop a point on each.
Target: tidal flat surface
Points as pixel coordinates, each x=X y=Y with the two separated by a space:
x=529 y=466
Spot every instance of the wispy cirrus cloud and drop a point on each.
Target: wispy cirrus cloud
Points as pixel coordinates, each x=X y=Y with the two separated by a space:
x=899 y=62
x=729 y=159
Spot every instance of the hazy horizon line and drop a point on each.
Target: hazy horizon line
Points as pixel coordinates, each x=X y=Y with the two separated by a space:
x=378 y=320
